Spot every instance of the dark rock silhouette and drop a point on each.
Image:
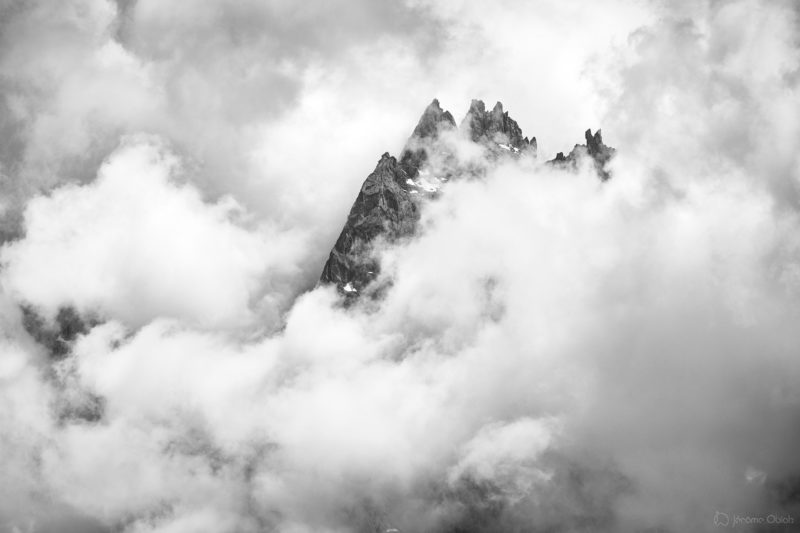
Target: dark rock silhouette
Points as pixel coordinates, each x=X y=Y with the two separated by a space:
x=384 y=207
x=594 y=148
x=434 y=120
x=494 y=126
x=388 y=205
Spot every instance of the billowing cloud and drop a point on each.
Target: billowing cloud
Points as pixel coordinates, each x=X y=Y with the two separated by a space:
x=136 y=245
x=553 y=353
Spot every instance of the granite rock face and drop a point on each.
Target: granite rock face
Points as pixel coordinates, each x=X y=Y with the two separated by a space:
x=387 y=208
x=384 y=208
x=494 y=126
x=594 y=148
x=432 y=124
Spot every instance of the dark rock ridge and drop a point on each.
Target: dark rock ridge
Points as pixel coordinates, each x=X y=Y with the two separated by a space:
x=495 y=126
x=384 y=207
x=434 y=121
x=599 y=153
x=387 y=208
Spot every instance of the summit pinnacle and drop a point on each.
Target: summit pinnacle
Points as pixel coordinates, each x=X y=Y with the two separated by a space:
x=387 y=208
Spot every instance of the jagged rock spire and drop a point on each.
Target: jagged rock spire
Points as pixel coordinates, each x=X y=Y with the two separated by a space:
x=494 y=125
x=433 y=121
x=599 y=152
x=389 y=201
x=594 y=148
x=382 y=207
x=594 y=143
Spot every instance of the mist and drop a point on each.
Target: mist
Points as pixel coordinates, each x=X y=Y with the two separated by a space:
x=552 y=352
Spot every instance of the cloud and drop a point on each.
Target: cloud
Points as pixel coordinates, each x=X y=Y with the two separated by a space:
x=499 y=454
x=135 y=245
x=554 y=353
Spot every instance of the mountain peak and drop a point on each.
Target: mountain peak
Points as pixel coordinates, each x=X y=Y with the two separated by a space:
x=495 y=125
x=433 y=120
x=390 y=200
x=594 y=148
x=594 y=143
x=477 y=107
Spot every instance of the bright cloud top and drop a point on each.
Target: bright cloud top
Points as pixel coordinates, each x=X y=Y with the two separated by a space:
x=554 y=353
x=136 y=245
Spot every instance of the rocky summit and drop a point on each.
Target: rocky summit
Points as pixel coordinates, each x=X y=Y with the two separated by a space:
x=387 y=208
x=494 y=126
x=599 y=153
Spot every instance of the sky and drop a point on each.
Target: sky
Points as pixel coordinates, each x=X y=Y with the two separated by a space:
x=555 y=353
